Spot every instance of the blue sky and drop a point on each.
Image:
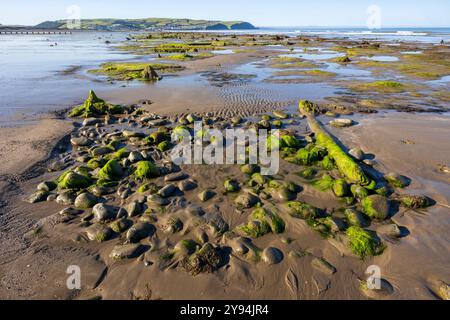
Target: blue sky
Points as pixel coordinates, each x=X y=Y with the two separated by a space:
x=430 y=13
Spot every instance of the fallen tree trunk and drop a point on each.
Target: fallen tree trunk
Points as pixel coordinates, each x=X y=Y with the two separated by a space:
x=345 y=164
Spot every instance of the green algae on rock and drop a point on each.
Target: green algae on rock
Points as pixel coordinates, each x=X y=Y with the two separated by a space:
x=111 y=171
x=164 y=146
x=263 y=221
x=146 y=170
x=231 y=185
x=376 y=207
x=340 y=188
x=346 y=165
x=73 y=180
x=413 y=201
x=134 y=70
x=302 y=210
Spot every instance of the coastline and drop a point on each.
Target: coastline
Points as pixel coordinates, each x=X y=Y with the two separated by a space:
x=27 y=148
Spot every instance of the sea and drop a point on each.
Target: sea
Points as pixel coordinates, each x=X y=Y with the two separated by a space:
x=41 y=73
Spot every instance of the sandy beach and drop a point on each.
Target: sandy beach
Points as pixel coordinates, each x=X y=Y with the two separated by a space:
x=400 y=124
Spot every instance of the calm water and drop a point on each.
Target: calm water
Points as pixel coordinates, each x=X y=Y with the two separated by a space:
x=32 y=67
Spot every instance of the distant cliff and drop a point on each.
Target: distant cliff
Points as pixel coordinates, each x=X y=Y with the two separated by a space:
x=149 y=24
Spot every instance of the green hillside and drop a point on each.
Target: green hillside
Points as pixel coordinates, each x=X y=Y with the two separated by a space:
x=150 y=24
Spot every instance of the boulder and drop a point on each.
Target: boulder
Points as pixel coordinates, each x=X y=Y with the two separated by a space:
x=376 y=207
x=167 y=190
x=103 y=212
x=139 y=231
x=85 y=201
x=126 y=251
x=98 y=232
x=272 y=256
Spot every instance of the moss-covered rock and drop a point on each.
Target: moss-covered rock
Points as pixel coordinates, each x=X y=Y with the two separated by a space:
x=180 y=133
x=111 y=171
x=47 y=186
x=359 y=192
x=396 y=180
x=246 y=200
x=356 y=218
x=85 y=200
x=231 y=185
x=95 y=163
x=38 y=196
x=302 y=210
x=207 y=259
x=259 y=179
x=325 y=183
x=376 y=207
x=146 y=170
x=73 y=180
x=148 y=187
x=288 y=141
x=327 y=163
x=340 y=188
x=120 y=154
x=94 y=106
x=263 y=221
x=346 y=165
x=164 y=146
x=308 y=173
x=120 y=225
x=186 y=247
x=414 y=201
x=304 y=157
x=308 y=106
x=157 y=137
x=250 y=169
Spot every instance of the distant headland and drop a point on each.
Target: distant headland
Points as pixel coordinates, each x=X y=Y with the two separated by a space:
x=149 y=24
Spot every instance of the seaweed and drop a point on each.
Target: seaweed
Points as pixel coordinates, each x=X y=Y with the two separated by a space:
x=325 y=183
x=94 y=106
x=73 y=180
x=340 y=188
x=363 y=243
x=264 y=221
x=302 y=210
x=111 y=171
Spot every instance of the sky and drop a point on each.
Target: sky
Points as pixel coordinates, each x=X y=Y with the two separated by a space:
x=348 y=13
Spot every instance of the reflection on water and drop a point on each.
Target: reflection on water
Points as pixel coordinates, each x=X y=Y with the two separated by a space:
x=411 y=52
x=315 y=56
x=226 y=51
x=442 y=81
